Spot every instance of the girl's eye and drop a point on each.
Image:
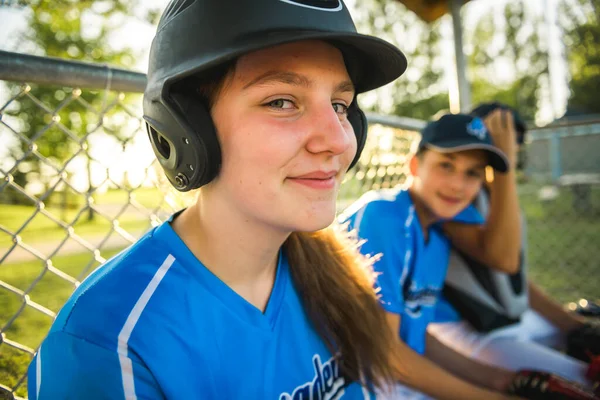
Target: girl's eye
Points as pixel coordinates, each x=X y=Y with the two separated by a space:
x=340 y=108
x=283 y=104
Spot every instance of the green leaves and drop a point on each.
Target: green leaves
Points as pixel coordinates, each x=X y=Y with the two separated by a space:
x=582 y=35
x=420 y=91
x=58 y=120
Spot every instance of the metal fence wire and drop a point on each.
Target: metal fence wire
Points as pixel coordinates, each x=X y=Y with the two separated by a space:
x=79 y=182
x=13 y=3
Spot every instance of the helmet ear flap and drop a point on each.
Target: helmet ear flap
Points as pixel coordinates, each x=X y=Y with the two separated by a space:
x=201 y=129
x=190 y=154
x=161 y=145
x=359 y=123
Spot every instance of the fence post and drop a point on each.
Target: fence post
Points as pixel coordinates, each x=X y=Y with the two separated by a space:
x=555 y=164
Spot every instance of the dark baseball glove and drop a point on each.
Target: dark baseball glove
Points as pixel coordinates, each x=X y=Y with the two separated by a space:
x=537 y=385
x=584 y=343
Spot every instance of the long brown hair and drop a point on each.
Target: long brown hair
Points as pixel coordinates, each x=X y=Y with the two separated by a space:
x=335 y=283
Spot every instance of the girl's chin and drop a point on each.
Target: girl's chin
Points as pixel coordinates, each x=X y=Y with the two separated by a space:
x=316 y=222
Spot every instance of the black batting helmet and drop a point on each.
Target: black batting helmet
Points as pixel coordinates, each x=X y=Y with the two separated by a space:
x=195 y=36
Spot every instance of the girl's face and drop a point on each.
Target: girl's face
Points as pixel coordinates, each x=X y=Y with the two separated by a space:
x=446 y=183
x=286 y=142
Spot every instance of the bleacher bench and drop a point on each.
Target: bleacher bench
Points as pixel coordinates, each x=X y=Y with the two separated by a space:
x=581 y=186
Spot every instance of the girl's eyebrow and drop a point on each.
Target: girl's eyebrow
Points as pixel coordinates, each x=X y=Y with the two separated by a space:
x=289 y=78
x=292 y=78
x=345 y=87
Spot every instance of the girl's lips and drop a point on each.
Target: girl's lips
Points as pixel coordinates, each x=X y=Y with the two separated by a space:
x=317 y=175
x=316 y=179
x=316 y=183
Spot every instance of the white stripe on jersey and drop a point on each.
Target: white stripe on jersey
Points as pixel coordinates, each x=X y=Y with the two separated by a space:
x=407 y=256
x=366 y=394
x=38 y=372
x=132 y=319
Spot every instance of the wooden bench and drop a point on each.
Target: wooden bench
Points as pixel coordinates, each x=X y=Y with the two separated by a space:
x=581 y=186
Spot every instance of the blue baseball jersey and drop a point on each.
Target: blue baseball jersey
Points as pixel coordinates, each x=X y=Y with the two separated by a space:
x=154 y=323
x=445 y=312
x=411 y=270
x=505 y=296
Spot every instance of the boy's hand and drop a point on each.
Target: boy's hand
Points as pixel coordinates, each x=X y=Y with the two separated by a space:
x=500 y=124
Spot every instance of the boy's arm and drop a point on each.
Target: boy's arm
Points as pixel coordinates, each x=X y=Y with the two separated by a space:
x=553 y=311
x=466 y=368
x=421 y=374
x=498 y=242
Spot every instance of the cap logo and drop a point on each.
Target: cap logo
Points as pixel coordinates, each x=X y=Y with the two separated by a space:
x=477 y=128
x=321 y=5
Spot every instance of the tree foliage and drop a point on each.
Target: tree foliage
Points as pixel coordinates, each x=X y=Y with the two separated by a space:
x=509 y=61
x=70 y=29
x=421 y=91
x=499 y=47
x=580 y=22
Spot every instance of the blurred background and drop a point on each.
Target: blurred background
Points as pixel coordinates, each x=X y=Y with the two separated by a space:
x=78 y=180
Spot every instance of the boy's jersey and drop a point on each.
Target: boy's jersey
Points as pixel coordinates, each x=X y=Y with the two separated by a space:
x=154 y=323
x=486 y=298
x=411 y=270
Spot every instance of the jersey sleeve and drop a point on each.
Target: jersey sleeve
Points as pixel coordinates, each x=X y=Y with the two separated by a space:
x=383 y=238
x=70 y=367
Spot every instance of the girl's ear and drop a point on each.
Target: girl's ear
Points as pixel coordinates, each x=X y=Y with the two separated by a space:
x=414 y=165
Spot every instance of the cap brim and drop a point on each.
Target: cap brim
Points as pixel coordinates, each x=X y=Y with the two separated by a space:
x=379 y=62
x=497 y=159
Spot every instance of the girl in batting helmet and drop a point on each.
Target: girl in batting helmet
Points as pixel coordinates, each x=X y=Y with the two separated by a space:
x=245 y=294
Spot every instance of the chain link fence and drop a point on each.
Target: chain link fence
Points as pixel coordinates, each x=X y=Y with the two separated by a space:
x=13 y=3
x=560 y=195
x=78 y=183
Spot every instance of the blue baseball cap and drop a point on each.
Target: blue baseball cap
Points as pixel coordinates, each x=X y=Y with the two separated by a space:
x=459 y=132
x=482 y=110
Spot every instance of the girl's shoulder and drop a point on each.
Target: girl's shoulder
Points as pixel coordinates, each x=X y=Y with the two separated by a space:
x=106 y=299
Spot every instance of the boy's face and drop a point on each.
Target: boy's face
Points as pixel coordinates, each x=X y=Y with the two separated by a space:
x=285 y=136
x=448 y=182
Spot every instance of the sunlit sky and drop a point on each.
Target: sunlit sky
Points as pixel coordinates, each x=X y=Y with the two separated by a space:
x=138 y=36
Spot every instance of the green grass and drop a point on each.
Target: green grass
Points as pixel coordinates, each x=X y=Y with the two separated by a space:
x=41 y=227
x=149 y=197
x=31 y=326
x=563 y=244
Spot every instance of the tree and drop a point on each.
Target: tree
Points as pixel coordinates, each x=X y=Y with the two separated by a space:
x=509 y=61
x=580 y=22
x=71 y=29
x=420 y=92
